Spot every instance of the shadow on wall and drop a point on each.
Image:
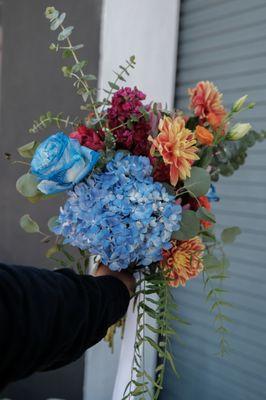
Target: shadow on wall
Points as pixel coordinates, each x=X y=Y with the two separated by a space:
x=32 y=83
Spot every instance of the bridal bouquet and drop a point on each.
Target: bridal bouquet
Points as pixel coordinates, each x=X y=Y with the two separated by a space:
x=137 y=186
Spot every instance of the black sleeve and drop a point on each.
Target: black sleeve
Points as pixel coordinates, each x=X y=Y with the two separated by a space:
x=49 y=318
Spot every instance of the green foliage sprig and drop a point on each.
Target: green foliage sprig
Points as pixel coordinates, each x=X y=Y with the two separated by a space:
x=228 y=157
x=81 y=80
x=215 y=273
x=48 y=119
x=156 y=302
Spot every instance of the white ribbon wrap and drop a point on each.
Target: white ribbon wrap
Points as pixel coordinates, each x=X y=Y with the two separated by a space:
x=126 y=353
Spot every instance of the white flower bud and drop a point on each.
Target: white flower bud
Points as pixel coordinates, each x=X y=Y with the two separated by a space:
x=238 y=104
x=238 y=131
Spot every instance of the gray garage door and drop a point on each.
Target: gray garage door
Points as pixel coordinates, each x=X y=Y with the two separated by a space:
x=225 y=41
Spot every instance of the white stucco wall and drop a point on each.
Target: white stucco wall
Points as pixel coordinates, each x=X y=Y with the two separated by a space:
x=148 y=29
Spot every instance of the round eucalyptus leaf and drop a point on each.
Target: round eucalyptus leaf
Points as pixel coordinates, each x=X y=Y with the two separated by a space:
x=199 y=181
x=52 y=250
x=229 y=235
x=28 y=150
x=65 y=33
x=57 y=22
x=27 y=185
x=28 y=224
x=206 y=215
x=189 y=226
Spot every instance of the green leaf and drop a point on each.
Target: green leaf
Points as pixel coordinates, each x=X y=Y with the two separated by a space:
x=65 y=33
x=28 y=150
x=189 y=226
x=67 y=53
x=208 y=235
x=171 y=361
x=78 y=47
x=89 y=77
x=51 y=13
x=133 y=59
x=113 y=85
x=229 y=235
x=211 y=262
x=153 y=344
x=77 y=67
x=199 y=182
x=57 y=22
x=206 y=215
x=27 y=185
x=67 y=71
x=53 y=47
x=53 y=250
x=205 y=157
x=28 y=224
x=52 y=222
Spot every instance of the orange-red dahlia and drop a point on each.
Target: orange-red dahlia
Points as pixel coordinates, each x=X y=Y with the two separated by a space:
x=183 y=261
x=204 y=136
x=176 y=144
x=206 y=101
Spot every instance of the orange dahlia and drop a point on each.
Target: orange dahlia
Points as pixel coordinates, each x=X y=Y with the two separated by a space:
x=206 y=101
x=176 y=144
x=183 y=261
x=204 y=136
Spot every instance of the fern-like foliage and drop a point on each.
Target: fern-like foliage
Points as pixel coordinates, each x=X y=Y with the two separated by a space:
x=48 y=119
x=154 y=301
x=215 y=274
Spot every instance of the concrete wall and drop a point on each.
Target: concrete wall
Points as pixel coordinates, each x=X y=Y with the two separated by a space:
x=32 y=83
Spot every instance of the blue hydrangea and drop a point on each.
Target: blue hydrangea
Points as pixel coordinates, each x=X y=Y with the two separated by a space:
x=121 y=214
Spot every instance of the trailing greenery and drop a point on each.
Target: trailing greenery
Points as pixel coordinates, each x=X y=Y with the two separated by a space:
x=153 y=299
x=215 y=273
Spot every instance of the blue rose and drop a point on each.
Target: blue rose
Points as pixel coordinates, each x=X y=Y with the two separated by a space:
x=60 y=162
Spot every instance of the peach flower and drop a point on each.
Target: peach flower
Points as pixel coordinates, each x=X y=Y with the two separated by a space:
x=176 y=144
x=204 y=136
x=206 y=102
x=183 y=261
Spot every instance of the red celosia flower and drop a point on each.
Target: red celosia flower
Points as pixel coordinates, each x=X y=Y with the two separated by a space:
x=126 y=103
x=89 y=138
x=161 y=171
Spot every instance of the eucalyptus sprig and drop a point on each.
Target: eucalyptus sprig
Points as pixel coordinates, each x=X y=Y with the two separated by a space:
x=48 y=119
x=228 y=157
x=81 y=80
